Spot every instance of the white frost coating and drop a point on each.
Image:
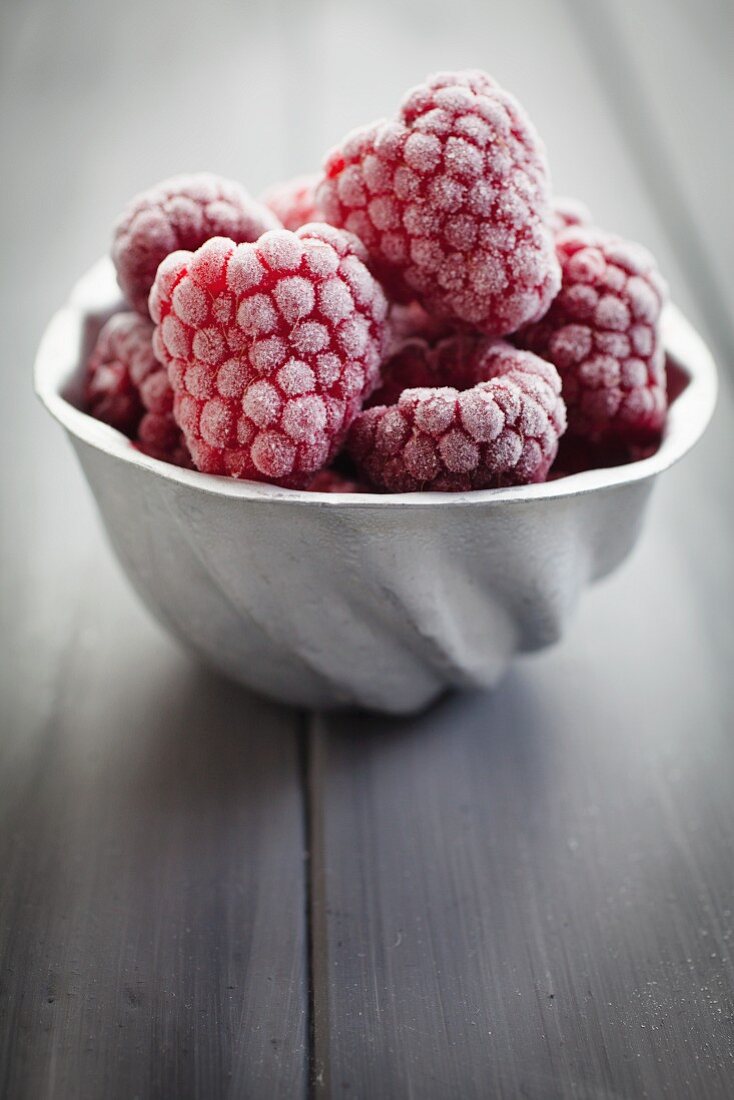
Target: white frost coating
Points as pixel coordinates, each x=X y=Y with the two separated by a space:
x=222 y=307
x=262 y=403
x=267 y=355
x=281 y=250
x=215 y=423
x=232 y=377
x=329 y=368
x=321 y=259
x=295 y=298
x=190 y=303
x=273 y=454
x=244 y=270
x=257 y=315
x=335 y=300
x=480 y=415
x=352 y=336
x=350 y=188
x=435 y=415
x=175 y=337
x=296 y=377
x=611 y=313
x=198 y=381
x=208 y=345
x=422 y=153
x=643 y=301
x=310 y=337
x=459 y=454
x=304 y=417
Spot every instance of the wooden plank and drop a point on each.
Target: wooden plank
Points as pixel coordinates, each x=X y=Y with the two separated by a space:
x=152 y=920
x=152 y=906
x=531 y=893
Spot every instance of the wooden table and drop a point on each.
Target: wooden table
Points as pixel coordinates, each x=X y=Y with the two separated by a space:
x=206 y=894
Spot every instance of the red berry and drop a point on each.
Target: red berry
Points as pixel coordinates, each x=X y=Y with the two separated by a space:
x=451 y=200
x=331 y=481
x=459 y=359
x=271 y=349
x=294 y=202
x=181 y=212
x=566 y=212
x=110 y=394
x=410 y=321
x=129 y=389
x=603 y=334
x=503 y=431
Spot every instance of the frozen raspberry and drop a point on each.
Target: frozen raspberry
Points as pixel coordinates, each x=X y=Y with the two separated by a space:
x=182 y=212
x=603 y=334
x=451 y=200
x=110 y=394
x=128 y=388
x=331 y=481
x=460 y=359
x=271 y=349
x=294 y=202
x=503 y=431
x=566 y=212
x=158 y=433
x=410 y=321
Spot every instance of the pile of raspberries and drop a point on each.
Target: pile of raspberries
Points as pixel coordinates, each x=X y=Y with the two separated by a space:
x=421 y=315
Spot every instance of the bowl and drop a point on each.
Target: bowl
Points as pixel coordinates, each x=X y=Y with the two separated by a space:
x=337 y=600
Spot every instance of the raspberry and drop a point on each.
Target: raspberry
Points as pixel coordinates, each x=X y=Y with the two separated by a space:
x=451 y=200
x=294 y=202
x=271 y=349
x=158 y=433
x=603 y=334
x=331 y=481
x=459 y=359
x=182 y=212
x=576 y=455
x=566 y=212
x=127 y=388
x=123 y=347
x=411 y=321
x=503 y=431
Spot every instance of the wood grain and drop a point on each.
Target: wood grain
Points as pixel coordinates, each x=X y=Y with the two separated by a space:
x=152 y=917
x=528 y=894
x=531 y=894
x=152 y=889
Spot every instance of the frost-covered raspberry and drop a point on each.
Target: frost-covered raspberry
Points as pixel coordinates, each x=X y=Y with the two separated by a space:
x=460 y=359
x=332 y=481
x=603 y=334
x=181 y=212
x=128 y=388
x=503 y=431
x=451 y=200
x=410 y=321
x=158 y=433
x=271 y=349
x=566 y=211
x=122 y=347
x=294 y=202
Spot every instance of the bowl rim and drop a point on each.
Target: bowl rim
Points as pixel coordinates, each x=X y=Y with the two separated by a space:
x=97 y=294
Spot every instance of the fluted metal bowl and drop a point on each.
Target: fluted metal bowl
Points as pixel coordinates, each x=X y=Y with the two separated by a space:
x=331 y=600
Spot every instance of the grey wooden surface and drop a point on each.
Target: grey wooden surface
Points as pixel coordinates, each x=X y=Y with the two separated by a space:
x=528 y=894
